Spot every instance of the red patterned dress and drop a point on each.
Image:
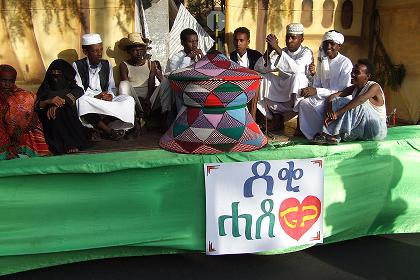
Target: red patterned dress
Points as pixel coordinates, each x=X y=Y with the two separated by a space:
x=20 y=129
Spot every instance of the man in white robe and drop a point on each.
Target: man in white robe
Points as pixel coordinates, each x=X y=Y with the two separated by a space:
x=279 y=94
x=99 y=107
x=333 y=75
x=183 y=58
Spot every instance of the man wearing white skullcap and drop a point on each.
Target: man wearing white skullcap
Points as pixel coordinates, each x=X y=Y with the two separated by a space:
x=99 y=107
x=333 y=74
x=279 y=93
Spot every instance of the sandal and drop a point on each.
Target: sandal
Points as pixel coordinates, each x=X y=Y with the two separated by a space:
x=319 y=139
x=116 y=135
x=331 y=140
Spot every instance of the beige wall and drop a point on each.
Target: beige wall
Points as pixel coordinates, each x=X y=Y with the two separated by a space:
x=401 y=37
x=238 y=13
x=31 y=37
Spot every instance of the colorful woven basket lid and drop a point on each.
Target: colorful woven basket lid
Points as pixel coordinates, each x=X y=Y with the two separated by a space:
x=215 y=119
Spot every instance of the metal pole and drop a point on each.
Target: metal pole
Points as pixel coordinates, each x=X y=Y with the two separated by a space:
x=216 y=21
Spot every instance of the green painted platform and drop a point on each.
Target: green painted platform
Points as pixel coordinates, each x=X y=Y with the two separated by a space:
x=73 y=208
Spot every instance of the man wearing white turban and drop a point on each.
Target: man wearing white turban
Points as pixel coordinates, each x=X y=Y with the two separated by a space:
x=278 y=92
x=333 y=75
x=99 y=107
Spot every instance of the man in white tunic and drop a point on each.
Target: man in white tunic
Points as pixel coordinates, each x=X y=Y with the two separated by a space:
x=99 y=107
x=333 y=75
x=279 y=94
x=184 y=58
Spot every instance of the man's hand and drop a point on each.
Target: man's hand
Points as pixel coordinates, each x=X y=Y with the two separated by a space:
x=104 y=96
x=308 y=91
x=330 y=115
x=196 y=54
x=328 y=110
x=57 y=101
x=99 y=96
x=51 y=112
x=107 y=96
x=329 y=120
x=273 y=43
x=312 y=69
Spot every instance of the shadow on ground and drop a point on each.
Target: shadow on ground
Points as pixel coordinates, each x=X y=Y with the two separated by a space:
x=364 y=258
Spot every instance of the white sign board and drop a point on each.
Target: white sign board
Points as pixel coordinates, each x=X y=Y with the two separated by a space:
x=263 y=205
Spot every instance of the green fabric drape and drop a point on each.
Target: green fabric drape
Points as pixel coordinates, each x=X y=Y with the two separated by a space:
x=79 y=207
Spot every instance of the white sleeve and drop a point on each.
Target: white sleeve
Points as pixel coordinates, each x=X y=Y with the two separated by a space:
x=176 y=62
x=324 y=92
x=111 y=83
x=288 y=65
x=259 y=65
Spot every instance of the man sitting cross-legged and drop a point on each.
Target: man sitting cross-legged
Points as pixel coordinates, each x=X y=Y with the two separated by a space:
x=280 y=93
x=170 y=103
x=363 y=117
x=138 y=75
x=332 y=75
x=99 y=106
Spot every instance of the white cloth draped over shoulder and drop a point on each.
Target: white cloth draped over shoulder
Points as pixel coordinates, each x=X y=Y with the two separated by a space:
x=121 y=107
x=311 y=109
x=293 y=72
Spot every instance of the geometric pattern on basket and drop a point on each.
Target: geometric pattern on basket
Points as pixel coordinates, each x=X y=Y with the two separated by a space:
x=202 y=122
x=229 y=121
x=215 y=91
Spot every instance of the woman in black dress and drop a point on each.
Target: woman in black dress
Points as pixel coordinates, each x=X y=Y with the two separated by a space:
x=56 y=105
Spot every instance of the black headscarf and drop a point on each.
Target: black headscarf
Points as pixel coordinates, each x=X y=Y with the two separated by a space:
x=64 y=85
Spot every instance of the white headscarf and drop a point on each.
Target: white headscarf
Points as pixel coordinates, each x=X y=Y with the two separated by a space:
x=334 y=36
x=323 y=63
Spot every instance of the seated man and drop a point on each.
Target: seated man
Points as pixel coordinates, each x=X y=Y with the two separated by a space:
x=171 y=103
x=138 y=73
x=243 y=55
x=363 y=117
x=20 y=130
x=332 y=75
x=99 y=107
x=190 y=54
x=280 y=93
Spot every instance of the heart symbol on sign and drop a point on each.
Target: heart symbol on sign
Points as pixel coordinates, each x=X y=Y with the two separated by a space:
x=297 y=218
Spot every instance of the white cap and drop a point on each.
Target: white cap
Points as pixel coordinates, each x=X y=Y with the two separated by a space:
x=294 y=28
x=91 y=39
x=334 y=36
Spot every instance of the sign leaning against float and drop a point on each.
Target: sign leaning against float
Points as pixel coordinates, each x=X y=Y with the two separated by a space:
x=263 y=205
